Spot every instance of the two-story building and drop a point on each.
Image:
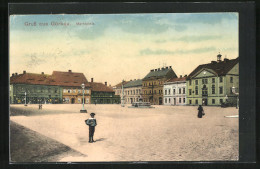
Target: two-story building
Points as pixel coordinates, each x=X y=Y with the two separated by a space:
x=152 y=84
x=71 y=82
x=175 y=91
x=133 y=91
x=102 y=94
x=33 y=88
x=211 y=84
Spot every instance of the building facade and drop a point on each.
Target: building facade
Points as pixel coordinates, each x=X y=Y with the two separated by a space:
x=118 y=89
x=152 y=84
x=34 y=89
x=132 y=91
x=70 y=82
x=102 y=94
x=175 y=92
x=211 y=84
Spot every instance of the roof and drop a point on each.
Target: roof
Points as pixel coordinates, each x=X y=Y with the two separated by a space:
x=159 y=73
x=181 y=79
x=133 y=83
x=30 y=78
x=99 y=87
x=119 y=85
x=221 y=68
x=68 y=79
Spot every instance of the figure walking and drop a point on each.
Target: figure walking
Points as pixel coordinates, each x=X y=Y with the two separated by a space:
x=200 y=111
x=91 y=122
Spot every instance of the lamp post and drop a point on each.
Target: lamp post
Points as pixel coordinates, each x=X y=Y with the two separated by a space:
x=234 y=91
x=25 y=99
x=83 y=110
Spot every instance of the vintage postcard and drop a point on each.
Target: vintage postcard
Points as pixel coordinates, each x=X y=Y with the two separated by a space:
x=124 y=87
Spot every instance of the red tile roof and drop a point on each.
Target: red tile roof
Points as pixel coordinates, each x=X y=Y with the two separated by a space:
x=68 y=79
x=99 y=87
x=30 y=78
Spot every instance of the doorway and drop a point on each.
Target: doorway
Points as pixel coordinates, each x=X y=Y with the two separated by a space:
x=204 y=102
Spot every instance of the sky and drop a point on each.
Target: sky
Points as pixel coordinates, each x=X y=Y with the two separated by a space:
x=115 y=47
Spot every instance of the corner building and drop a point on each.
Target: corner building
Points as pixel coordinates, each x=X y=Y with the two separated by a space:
x=152 y=84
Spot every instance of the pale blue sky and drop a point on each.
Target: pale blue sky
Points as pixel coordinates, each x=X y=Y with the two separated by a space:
x=121 y=46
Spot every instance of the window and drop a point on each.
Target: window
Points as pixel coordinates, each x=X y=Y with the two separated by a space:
x=150 y=91
x=183 y=100
x=56 y=91
x=173 y=91
x=127 y=92
x=49 y=90
x=183 y=90
x=131 y=92
x=169 y=91
x=169 y=100
x=196 y=82
x=196 y=101
x=165 y=100
x=189 y=91
x=221 y=100
x=64 y=90
x=221 y=90
x=231 y=79
x=154 y=91
x=220 y=79
x=79 y=100
x=196 y=90
x=213 y=101
x=213 y=89
x=159 y=91
x=213 y=80
x=165 y=92
x=79 y=91
x=189 y=82
x=179 y=100
x=136 y=91
x=179 y=90
x=204 y=81
x=68 y=90
x=190 y=102
x=74 y=90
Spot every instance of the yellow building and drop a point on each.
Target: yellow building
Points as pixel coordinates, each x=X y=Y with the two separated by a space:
x=152 y=84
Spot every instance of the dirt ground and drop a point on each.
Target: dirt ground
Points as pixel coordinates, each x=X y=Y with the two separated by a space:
x=163 y=133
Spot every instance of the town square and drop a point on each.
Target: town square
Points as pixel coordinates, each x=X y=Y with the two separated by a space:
x=163 y=133
x=124 y=87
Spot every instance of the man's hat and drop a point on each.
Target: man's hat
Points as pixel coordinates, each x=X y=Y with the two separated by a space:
x=92 y=114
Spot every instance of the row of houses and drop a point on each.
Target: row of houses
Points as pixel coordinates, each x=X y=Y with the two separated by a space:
x=59 y=87
x=207 y=84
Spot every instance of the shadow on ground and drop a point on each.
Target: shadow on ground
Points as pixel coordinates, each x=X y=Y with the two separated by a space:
x=29 y=146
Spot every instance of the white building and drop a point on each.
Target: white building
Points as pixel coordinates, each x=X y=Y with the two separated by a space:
x=174 y=91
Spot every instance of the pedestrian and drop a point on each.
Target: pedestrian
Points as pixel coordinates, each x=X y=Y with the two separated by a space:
x=200 y=111
x=91 y=122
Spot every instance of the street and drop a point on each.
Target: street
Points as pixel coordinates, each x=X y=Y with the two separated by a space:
x=163 y=133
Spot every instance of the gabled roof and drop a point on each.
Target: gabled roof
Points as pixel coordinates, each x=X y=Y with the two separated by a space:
x=133 y=83
x=30 y=78
x=221 y=68
x=99 y=87
x=68 y=79
x=160 y=73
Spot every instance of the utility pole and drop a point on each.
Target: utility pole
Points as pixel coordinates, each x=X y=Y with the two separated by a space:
x=122 y=97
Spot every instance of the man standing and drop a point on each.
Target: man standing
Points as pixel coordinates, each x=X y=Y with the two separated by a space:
x=91 y=122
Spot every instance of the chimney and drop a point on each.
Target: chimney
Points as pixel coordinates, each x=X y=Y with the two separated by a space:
x=225 y=60
x=167 y=67
x=92 y=80
x=219 y=57
x=180 y=76
x=24 y=72
x=152 y=70
x=185 y=75
x=213 y=62
x=42 y=73
x=158 y=69
x=70 y=71
x=131 y=80
x=155 y=69
x=170 y=67
x=134 y=79
x=106 y=83
x=16 y=74
x=12 y=74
